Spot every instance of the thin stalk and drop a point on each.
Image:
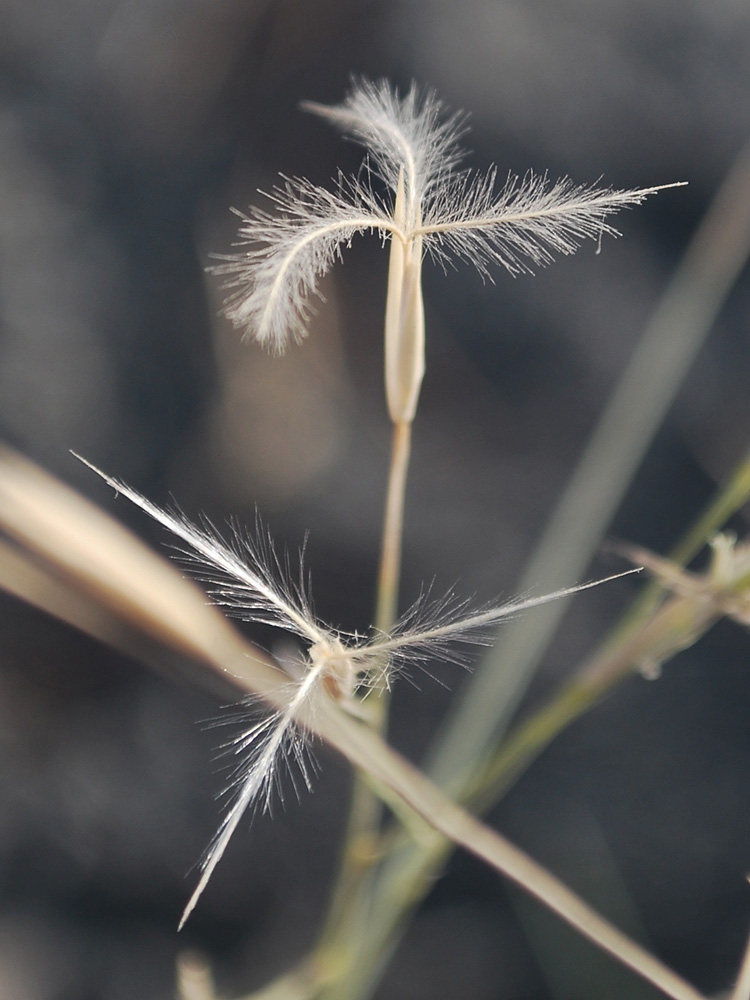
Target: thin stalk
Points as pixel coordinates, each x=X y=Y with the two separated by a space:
x=668 y=347
x=724 y=505
x=389 y=575
x=345 y=930
x=51 y=522
x=346 y=923
x=408 y=871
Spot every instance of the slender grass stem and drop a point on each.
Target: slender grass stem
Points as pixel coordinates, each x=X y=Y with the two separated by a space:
x=346 y=924
x=682 y=320
x=408 y=871
x=668 y=347
x=612 y=661
x=386 y=609
x=72 y=539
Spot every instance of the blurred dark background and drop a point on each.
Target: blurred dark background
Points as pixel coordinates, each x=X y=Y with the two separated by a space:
x=127 y=129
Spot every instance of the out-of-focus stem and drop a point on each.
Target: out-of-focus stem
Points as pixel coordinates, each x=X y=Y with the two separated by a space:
x=407 y=872
x=716 y=255
x=346 y=927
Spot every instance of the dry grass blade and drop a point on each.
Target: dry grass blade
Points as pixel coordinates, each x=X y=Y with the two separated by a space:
x=681 y=322
x=101 y=560
x=741 y=990
x=247 y=575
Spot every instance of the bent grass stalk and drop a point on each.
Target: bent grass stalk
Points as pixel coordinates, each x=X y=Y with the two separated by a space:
x=683 y=318
x=429 y=206
x=662 y=358
x=408 y=870
x=97 y=558
x=240 y=576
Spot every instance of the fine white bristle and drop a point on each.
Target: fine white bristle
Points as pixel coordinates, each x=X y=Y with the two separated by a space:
x=250 y=577
x=517 y=224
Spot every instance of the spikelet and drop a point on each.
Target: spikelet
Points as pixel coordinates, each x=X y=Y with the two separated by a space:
x=446 y=211
x=248 y=578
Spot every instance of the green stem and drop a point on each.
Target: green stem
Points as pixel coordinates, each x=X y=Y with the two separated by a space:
x=349 y=957
x=645 y=391
x=682 y=320
x=408 y=871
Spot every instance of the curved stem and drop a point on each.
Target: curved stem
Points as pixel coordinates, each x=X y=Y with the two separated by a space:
x=408 y=869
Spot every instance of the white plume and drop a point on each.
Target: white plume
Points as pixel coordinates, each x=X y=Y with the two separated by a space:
x=521 y=224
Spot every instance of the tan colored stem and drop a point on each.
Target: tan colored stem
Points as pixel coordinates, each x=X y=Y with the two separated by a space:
x=389 y=574
x=100 y=559
x=409 y=870
x=350 y=906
